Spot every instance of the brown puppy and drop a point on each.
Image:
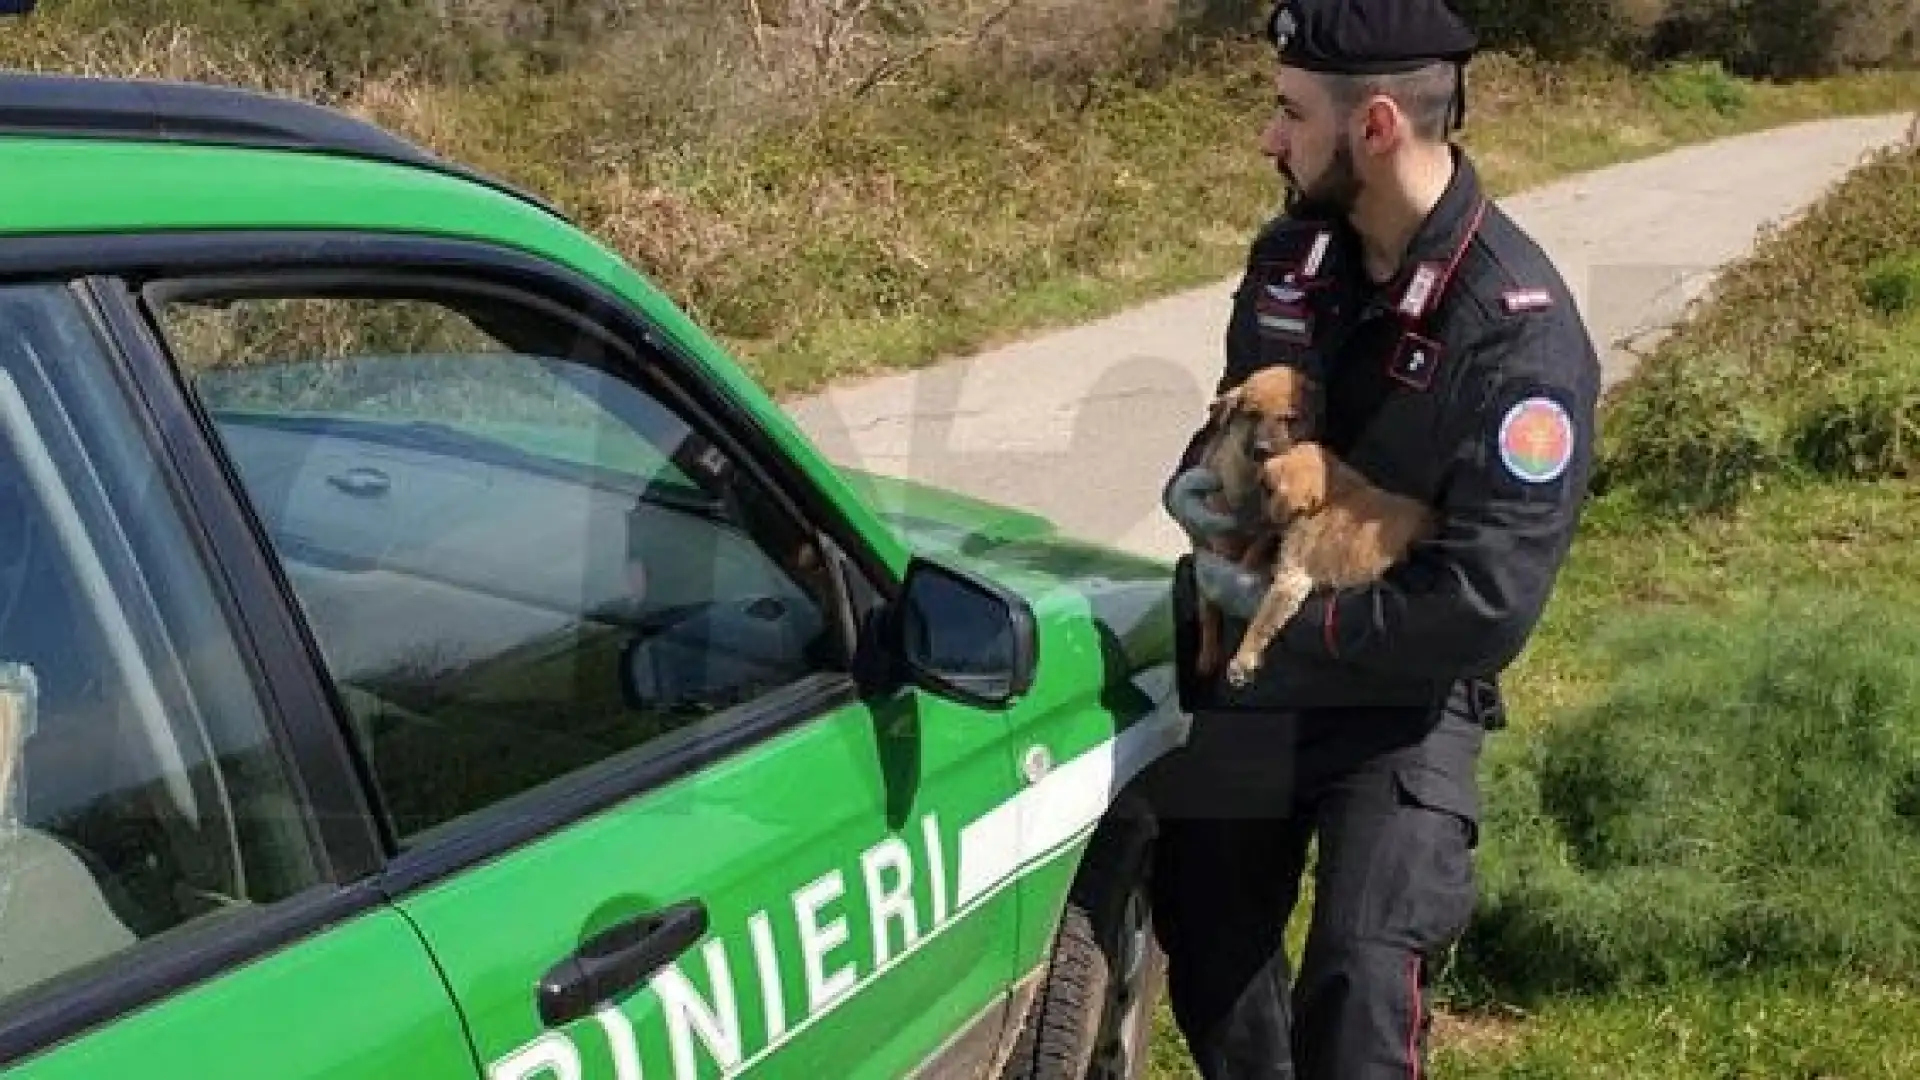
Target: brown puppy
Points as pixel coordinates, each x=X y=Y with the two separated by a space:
x=1271 y=410
x=1337 y=529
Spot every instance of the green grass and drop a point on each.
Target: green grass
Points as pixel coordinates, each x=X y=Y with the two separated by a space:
x=1808 y=1027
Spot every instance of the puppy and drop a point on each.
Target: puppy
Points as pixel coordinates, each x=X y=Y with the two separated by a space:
x=1271 y=410
x=1336 y=529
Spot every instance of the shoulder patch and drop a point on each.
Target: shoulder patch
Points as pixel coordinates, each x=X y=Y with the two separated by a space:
x=1518 y=300
x=1536 y=440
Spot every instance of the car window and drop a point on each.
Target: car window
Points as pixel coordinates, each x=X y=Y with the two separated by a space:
x=141 y=793
x=516 y=563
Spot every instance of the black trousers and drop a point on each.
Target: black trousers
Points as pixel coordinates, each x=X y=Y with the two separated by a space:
x=1391 y=800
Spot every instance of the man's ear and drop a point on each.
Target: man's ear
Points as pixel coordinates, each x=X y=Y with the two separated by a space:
x=1382 y=127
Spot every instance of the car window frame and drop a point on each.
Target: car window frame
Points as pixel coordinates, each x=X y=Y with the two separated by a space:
x=192 y=954
x=677 y=381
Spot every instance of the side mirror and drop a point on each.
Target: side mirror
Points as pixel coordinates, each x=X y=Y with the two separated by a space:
x=963 y=637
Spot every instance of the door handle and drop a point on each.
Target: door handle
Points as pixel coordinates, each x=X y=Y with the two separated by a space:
x=616 y=960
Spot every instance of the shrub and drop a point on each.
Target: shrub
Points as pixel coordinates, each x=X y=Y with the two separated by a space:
x=1743 y=800
x=343 y=41
x=1776 y=38
x=1865 y=426
x=1704 y=85
x=1690 y=436
x=1892 y=287
x=1555 y=29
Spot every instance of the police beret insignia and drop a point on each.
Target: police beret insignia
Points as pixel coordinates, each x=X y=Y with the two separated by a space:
x=1284 y=26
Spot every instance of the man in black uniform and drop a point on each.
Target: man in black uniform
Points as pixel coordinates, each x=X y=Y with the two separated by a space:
x=1457 y=371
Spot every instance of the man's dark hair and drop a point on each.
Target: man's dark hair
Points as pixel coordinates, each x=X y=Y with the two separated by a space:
x=1425 y=94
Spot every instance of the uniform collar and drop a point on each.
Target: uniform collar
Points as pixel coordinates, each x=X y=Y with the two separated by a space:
x=1434 y=253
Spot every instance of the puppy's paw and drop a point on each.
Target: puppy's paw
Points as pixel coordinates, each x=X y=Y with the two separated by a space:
x=1242 y=669
x=1296 y=481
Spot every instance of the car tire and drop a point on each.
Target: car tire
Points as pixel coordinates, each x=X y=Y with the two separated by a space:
x=1092 y=1015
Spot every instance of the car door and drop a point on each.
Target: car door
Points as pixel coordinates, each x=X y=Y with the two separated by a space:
x=597 y=654
x=181 y=893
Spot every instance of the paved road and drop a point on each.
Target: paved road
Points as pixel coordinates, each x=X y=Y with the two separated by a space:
x=1080 y=425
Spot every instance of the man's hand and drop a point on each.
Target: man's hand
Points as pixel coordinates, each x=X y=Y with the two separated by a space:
x=1186 y=503
x=1237 y=591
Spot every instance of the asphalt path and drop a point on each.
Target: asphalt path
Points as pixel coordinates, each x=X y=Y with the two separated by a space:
x=1080 y=425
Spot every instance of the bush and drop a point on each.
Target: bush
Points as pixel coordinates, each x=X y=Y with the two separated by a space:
x=1553 y=29
x=1866 y=426
x=1773 y=38
x=344 y=41
x=1893 y=285
x=1690 y=436
x=1744 y=799
x=1703 y=85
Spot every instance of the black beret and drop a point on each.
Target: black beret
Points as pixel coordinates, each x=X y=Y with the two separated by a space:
x=1368 y=37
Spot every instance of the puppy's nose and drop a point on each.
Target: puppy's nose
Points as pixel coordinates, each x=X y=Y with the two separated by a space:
x=1262 y=449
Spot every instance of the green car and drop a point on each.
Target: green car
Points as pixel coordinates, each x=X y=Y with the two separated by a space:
x=424 y=653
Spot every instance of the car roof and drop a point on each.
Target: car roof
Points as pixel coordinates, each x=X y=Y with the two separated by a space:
x=149 y=110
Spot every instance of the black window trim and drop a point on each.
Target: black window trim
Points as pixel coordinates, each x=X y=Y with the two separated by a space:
x=299 y=705
x=424 y=267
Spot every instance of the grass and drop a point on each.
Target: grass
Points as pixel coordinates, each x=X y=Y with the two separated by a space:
x=1806 y=1027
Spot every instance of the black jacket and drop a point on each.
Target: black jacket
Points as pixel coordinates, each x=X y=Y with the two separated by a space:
x=1470 y=382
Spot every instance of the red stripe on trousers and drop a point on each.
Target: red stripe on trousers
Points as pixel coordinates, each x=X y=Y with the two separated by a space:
x=1413 y=1027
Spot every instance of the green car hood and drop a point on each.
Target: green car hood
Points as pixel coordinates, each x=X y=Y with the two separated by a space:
x=1129 y=594
x=939 y=518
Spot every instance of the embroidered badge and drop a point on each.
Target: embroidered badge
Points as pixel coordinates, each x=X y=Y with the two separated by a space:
x=1420 y=290
x=1280 y=309
x=1415 y=361
x=1518 y=300
x=1536 y=440
x=1290 y=324
x=1286 y=292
